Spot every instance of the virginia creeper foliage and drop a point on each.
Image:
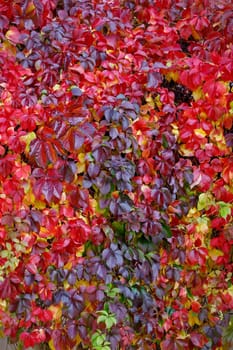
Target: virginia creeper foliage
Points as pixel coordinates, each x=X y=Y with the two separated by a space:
x=116 y=174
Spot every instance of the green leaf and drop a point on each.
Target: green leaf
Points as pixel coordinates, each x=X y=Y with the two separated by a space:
x=106 y=347
x=167 y=230
x=98 y=339
x=228 y=336
x=224 y=210
x=205 y=201
x=101 y=318
x=8 y=246
x=112 y=293
x=164 y=141
x=119 y=227
x=103 y=312
x=110 y=321
x=5 y=253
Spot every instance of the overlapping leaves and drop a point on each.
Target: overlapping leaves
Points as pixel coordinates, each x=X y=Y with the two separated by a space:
x=116 y=174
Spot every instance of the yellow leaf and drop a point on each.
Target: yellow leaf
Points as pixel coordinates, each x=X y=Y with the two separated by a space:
x=198 y=93
x=29 y=199
x=39 y=204
x=81 y=168
x=51 y=345
x=80 y=251
x=195 y=34
x=193 y=319
x=175 y=129
x=56 y=87
x=44 y=233
x=30 y=8
x=203 y=225
x=193 y=212
x=200 y=132
x=182 y=335
x=157 y=101
x=186 y=152
x=82 y=283
x=172 y=76
x=215 y=253
x=3 y=304
x=69 y=265
x=150 y=100
x=216 y=135
x=78 y=340
x=27 y=139
x=230 y=291
x=203 y=115
x=10 y=48
x=56 y=311
x=13 y=35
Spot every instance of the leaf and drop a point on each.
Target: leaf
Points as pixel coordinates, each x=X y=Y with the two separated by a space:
x=51 y=344
x=193 y=319
x=205 y=201
x=154 y=78
x=228 y=335
x=28 y=138
x=98 y=339
x=56 y=311
x=14 y=35
x=47 y=185
x=76 y=91
x=214 y=254
x=119 y=227
x=101 y=318
x=198 y=340
x=229 y=139
x=167 y=230
x=61 y=243
x=23 y=172
x=32 y=264
x=72 y=140
x=225 y=209
x=199 y=132
x=110 y=321
x=43 y=152
x=197 y=94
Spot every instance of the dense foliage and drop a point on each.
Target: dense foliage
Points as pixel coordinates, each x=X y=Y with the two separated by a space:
x=116 y=173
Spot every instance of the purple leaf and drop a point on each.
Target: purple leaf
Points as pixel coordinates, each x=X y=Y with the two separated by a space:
x=154 y=78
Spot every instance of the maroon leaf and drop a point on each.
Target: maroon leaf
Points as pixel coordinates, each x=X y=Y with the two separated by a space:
x=47 y=185
x=198 y=339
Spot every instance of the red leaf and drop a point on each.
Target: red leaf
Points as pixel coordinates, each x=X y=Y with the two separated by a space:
x=47 y=184
x=198 y=340
x=72 y=140
x=60 y=244
x=32 y=265
x=13 y=35
x=174 y=344
x=7 y=289
x=227 y=173
x=35 y=337
x=43 y=152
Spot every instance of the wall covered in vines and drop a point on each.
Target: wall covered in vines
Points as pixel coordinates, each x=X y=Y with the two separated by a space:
x=116 y=174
